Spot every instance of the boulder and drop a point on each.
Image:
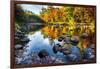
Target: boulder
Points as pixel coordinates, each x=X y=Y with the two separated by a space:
x=43 y=53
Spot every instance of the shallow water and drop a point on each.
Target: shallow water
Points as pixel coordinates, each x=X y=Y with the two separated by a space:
x=38 y=42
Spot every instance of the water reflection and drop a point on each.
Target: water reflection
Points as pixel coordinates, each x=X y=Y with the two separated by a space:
x=44 y=40
x=38 y=43
x=47 y=37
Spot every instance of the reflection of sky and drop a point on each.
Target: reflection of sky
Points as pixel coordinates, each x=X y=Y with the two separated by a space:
x=34 y=8
x=38 y=43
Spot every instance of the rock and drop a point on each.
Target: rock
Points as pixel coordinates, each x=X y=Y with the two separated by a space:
x=74 y=40
x=19 y=35
x=62 y=43
x=25 y=39
x=43 y=53
x=61 y=38
x=56 y=48
x=88 y=53
x=67 y=39
x=16 y=38
x=47 y=60
x=66 y=52
x=18 y=46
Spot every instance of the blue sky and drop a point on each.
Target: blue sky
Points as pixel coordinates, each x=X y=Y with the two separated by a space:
x=34 y=8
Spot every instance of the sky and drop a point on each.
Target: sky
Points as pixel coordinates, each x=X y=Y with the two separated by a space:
x=34 y=8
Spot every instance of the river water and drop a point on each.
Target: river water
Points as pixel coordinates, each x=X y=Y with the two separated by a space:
x=45 y=38
x=38 y=43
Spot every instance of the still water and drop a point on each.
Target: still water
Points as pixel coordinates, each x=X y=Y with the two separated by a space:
x=45 y=37
x=38 y=43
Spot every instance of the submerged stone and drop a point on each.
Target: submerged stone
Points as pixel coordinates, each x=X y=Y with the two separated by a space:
x=43 y=53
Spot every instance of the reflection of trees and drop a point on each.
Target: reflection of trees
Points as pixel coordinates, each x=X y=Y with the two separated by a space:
x=53 y=32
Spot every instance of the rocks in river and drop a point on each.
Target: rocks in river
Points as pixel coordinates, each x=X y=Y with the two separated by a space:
x=19 y=34
x=42 y=57
x=35 y=58
x=75 y=54
x=62 y=49
x=21 y=48
x=89 y=52
x=21 y=38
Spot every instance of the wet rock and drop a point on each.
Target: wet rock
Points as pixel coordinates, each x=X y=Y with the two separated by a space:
x=67 y=39
x=62 y=43
x=16 y=38
x=21 y=49
x=61 y=38
x=20 y=34
x=74 y=40
x=26 y=40
x=66 y=52
x=56 y=48
x=89 y=52
x=35 y=58
x=18 y=46
x=43 y=53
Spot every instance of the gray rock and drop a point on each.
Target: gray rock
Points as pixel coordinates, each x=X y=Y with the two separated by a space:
x=25 y=39
x=43 y=53
x=18 y=46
